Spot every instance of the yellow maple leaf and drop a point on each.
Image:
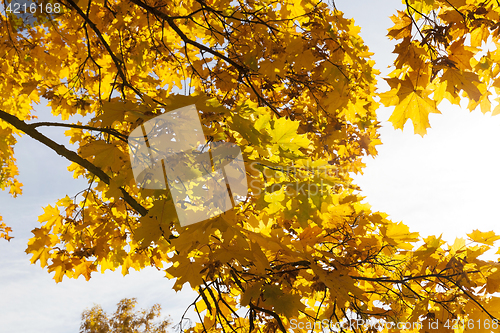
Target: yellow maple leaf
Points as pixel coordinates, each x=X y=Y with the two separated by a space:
x=284 y=135
x=461 y=80
x=185 y=271
x=399 y=234
x=460 y=54
x=417 y=108
x=50 y=216
x=487 y=238
x=106 y=156
x=402 y=26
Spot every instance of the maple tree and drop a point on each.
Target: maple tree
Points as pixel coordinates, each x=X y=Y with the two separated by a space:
x=124 y=320
x=292 y=84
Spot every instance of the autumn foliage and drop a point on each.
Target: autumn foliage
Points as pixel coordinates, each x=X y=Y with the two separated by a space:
x=292 y=84
x=124 y=320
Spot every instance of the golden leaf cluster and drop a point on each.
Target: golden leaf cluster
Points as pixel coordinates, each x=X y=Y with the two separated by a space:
x=293 y=85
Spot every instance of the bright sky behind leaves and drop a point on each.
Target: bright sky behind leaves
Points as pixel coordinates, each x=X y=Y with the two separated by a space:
x=446 y=182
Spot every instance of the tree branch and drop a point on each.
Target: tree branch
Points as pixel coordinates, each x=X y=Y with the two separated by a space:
x=70 y=155
x=118 y=62
x=272 y=313
x=182 y=35
x=243 y=70
x=104 y=130
x=408 y=278
x=471 y=297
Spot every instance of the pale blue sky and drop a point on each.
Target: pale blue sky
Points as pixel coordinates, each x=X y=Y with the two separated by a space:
x=444 y=183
